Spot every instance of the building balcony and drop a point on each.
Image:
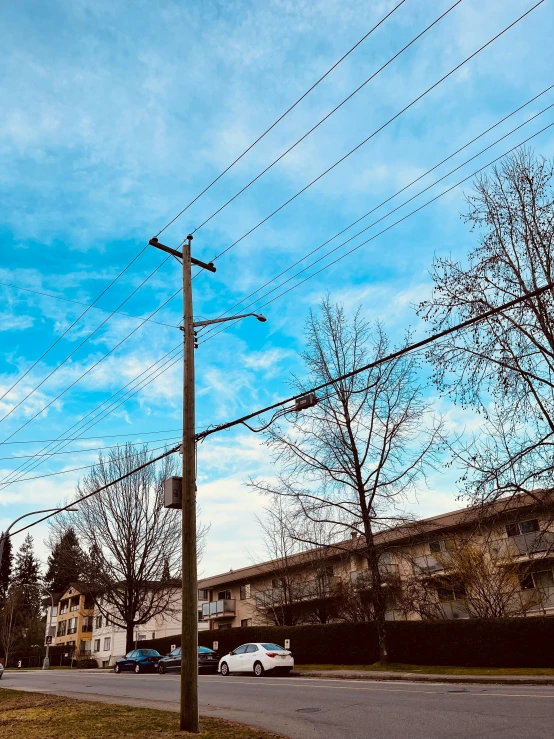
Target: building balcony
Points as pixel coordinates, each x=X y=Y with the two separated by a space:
x=298 y=591
x=86 y=628
x=219 y=608
x=535 y=542
x=361 y=579
x=429 y=565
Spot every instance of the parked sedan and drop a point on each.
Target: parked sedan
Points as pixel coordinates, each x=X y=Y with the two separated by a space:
x=208 y=660
x=257 y=658
x=139 y=660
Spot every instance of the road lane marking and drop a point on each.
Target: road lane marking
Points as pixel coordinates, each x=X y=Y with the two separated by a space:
x=283 y=683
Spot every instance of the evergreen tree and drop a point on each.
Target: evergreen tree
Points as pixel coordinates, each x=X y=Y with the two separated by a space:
x=65 y=563
x=27 y=577
x=6 y=570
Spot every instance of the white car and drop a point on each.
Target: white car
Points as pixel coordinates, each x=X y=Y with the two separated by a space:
x=257 y=658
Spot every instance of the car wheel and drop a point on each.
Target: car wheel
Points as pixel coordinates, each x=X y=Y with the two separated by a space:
x=225 y=669
x=137 y=669
x=161 y=669
x=258 y=669
x=117 y=669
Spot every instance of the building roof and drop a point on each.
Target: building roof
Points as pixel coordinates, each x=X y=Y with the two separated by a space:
x=407 y=532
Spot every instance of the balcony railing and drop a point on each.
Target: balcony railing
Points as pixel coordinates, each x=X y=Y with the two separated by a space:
x=543 y=599
x=535 y=542
x=362 y=578
x=429 y=565
x=298 y=591
x=219 y=608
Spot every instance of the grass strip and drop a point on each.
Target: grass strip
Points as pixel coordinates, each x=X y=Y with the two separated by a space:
x=41 y=716
x=435 y=669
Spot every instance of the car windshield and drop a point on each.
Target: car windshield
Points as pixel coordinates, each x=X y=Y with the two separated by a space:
x=273 y=647
x=149 y=653
x=204 y=650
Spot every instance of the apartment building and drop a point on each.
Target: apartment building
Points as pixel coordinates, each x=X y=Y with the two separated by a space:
x=308 y=587
x=73 y=620
x=108 y=640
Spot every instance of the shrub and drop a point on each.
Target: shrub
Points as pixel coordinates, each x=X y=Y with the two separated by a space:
x=86 y=664
x=500 y=642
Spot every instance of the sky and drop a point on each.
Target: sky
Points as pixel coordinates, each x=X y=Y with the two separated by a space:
x=116 y=116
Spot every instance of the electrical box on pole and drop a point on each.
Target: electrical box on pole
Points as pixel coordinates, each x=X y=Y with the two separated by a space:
x=173 y=492
x=305 y=401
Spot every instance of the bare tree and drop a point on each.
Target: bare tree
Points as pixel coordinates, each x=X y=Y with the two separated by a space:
x=10 y=623
x=351 y=462
x=504 y=366
x=132 y=541
x=305 y=587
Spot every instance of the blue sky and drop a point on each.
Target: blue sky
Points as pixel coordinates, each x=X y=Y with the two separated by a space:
x=116 y=115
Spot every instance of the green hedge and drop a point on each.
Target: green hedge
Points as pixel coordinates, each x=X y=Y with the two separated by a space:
x=507 y=642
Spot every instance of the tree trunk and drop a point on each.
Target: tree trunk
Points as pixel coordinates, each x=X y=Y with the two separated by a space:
x=130 y=637
x=378 y=596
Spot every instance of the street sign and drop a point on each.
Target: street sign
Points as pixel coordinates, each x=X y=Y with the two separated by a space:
x=48 y=640
x=287 y=643
x=215 y=645
x=173 y=647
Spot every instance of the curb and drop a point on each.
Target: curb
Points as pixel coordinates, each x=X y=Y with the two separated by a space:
x=426 y=678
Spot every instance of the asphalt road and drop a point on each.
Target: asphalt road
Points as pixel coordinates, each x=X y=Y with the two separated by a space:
x=304 y=708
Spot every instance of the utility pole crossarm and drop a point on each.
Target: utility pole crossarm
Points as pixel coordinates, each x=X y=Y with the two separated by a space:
x=205 y=265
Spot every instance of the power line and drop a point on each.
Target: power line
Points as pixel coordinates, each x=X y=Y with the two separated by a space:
x=78 y=302
x=380 y=205
x=25 y=467
x=49 y=375
x=378 y=130
x=328 y=72
x=95 y=492
x=103 y=436
x=74 y=469
x=107 y=354
x=382 y=360
x=388 y=228
x=75 y=322
x=334 y=110
x=79 y=451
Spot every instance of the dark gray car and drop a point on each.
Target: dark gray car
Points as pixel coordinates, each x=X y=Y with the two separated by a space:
x=208 y=661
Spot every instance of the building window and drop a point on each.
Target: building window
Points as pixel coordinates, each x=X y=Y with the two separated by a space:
x=97 y=645
x=72 y=625
x=98 y=622
x=542 y=579
x=245 y=622
x=224 y=595
x=74 y=606
x=324 y=572
x=105 y=663
x=245 y=591
x=142 y=637
x=442 y=545
x=107 y=643
x=523 y=527
x=224 y=626
x=200 y=616
x=87 y=624
x=153 y=635
x=203 y=594
x=61 y=628
x=450 y=593
x=64 y=607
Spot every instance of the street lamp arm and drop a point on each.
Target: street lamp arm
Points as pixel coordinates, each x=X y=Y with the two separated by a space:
x=259 y=316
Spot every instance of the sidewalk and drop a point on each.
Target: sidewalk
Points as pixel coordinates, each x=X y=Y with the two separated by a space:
x=423 y=677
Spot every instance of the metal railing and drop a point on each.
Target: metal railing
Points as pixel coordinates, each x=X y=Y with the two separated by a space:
x=219 y=608
x=429 y=565
x=535 y=542
x=362 y=578
x=323 y=587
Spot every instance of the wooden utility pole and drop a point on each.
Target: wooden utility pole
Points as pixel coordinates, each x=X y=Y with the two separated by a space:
x=189 y=624
x=189 y=594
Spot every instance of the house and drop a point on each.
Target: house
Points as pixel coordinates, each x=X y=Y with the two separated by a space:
x=75 y=609
x=515 y=535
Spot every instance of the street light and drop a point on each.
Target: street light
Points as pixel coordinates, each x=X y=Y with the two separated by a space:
x=259 y=316
x=6 y=533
